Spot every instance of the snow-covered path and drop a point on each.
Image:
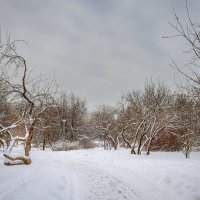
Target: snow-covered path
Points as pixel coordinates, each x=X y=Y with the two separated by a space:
x=60 y=177
x=100 y=175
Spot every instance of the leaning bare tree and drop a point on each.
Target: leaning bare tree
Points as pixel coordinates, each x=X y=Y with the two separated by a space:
x=34 y=101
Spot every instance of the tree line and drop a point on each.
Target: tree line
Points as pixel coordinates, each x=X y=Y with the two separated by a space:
x=155 y=118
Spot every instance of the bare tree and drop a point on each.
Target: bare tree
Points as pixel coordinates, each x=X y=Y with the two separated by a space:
x=35 y=101
x=106 y=126
x=72 y=112
x=186 y=108
x=187 y=103
x=147 y=114
x=189 y=32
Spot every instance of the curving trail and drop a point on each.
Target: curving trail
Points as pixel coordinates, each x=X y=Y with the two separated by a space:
x=99 y=175
x=57 y=176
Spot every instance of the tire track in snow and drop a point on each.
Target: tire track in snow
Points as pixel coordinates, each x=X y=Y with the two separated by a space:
x=97 y=184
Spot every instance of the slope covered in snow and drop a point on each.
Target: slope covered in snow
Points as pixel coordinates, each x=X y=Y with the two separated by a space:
x=102 y=175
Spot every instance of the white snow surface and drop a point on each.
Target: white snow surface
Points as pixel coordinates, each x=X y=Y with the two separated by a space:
x=97 y=174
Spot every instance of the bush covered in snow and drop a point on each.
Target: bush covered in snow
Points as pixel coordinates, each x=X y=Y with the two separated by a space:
x=67 y=145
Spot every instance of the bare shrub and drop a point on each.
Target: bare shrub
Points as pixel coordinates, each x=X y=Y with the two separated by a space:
x=66 y=146
x=86 y=143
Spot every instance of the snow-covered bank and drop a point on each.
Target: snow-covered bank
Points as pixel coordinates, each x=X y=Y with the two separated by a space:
x=98 y=174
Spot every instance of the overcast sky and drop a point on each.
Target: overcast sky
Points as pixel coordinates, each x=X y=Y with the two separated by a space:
x=98 y=49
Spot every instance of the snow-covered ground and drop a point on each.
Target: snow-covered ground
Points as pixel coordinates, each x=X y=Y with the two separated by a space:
x=102 y=175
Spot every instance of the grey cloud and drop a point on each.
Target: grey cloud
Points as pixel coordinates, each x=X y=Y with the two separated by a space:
x=97 y=49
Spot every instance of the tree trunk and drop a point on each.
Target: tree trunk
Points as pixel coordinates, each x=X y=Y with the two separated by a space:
x=44 y=142
x=133 y=151
x=28 y=142
x=140 y=144
x=104 y=143
x=149 y=146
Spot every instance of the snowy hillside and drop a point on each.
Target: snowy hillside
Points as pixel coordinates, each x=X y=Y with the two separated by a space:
x=102 y=175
